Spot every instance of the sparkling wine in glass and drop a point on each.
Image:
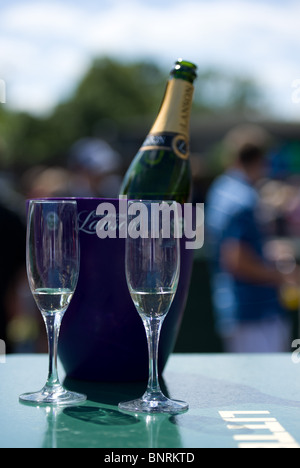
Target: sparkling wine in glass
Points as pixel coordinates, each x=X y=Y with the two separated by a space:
x=152 y=273
x=53 y=259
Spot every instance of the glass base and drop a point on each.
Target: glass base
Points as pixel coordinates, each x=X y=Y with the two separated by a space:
x=159 y=404
x=56 y=397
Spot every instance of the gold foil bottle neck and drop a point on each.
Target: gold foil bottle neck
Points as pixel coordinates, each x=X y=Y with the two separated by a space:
x=174 y=115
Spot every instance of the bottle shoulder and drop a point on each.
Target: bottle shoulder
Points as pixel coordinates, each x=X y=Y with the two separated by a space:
x=152 y=157
x=158 y=175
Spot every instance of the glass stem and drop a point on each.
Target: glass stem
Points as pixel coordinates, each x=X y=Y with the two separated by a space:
x=153 y=329
x=53 y=323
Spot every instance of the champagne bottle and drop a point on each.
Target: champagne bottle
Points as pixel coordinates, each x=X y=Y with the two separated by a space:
x=161 y=169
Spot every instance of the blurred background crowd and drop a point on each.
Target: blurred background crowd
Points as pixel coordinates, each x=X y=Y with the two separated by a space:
x=84 y=145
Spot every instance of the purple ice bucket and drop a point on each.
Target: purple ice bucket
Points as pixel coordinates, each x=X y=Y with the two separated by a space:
x=102 y=335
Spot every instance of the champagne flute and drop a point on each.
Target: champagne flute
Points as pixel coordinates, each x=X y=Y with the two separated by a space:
x=152 y=273
x=53 y=258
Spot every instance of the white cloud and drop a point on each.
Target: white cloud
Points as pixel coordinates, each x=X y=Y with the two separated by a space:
x=48 y=44
x=43 y=18
x=15 y=54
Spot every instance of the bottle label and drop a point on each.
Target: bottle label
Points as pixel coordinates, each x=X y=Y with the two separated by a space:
x=171 y=128
x=168 y=141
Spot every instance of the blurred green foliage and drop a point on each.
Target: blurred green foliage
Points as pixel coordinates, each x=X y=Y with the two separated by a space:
x=111 y=98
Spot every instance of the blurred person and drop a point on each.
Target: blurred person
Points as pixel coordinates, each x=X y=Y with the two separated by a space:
x=11 y=198
x=12 y=265
x=12 y=241
x=245 y=284
x=95 y=166
x=43 y=182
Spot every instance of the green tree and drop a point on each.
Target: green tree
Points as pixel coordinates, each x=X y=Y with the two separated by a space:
x=114 y=97
x=110 y=92
x=223 y=93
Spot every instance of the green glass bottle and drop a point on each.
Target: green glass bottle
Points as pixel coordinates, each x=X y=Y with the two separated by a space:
x=161 y=169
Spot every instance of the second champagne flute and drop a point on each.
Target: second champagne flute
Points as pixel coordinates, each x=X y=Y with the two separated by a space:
x=152 y=272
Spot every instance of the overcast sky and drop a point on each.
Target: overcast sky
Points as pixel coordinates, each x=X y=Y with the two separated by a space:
x=46 y=46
